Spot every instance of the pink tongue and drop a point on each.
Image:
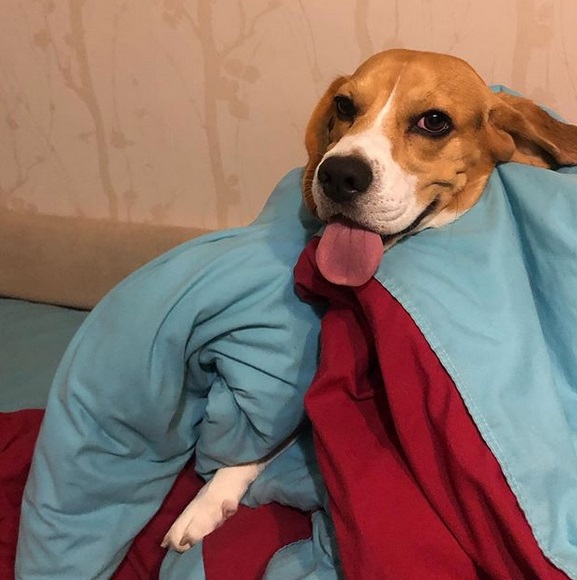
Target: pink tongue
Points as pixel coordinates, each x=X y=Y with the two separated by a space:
x=348 y=255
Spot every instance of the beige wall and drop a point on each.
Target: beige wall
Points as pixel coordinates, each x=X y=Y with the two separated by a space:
x=188 y=111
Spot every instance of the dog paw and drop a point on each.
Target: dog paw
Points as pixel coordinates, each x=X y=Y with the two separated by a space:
x=213 y=505
x=202 y=516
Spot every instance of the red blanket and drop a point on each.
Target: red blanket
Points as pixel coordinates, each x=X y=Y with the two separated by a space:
x=18 y=432
x=414 y=490
x=268 y=527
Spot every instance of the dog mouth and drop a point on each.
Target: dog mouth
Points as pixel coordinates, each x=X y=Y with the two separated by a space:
x=415 y=223
x=349 y=254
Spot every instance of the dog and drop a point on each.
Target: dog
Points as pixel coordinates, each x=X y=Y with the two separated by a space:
x=407 y=142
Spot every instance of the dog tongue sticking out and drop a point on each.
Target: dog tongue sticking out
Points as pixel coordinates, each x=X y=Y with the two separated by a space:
x=348 y=255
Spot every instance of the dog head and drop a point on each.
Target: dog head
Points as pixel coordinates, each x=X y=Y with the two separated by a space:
x=407 y=142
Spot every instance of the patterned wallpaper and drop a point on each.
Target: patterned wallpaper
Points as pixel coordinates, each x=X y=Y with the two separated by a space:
x=188 y=111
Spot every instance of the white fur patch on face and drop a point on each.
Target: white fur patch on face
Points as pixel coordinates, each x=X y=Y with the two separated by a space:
x=390 y=204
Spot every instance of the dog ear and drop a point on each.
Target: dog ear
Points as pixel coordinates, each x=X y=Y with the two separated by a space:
x=317 y=137
x=523 y=132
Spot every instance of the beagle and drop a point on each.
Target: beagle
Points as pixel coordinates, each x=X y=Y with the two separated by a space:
x=407 y=142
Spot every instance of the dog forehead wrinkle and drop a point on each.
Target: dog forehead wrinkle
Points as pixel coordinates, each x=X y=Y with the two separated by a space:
x=386 y=110
x=375 y=111
x=371 y=142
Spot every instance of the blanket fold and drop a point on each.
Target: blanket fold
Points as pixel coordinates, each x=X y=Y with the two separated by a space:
x=413 y=487
x=205 y=349
x=454 y=371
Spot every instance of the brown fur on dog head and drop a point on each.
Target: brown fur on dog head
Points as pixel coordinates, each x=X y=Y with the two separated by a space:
x=419 y=179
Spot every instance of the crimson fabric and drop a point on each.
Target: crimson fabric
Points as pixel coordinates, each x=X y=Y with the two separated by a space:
x=145 y=556
x=414 y=490
x=240 y=549
x=18 y=433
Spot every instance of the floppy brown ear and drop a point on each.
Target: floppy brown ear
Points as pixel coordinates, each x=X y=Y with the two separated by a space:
x=317 y=137
x=525 y=133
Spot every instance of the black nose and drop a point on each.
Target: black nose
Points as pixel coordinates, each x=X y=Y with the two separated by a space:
x=343 y=177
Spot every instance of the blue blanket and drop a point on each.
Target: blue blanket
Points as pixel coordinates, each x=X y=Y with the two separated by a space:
x=205 y=349
x=495 y=294
x=208 y=348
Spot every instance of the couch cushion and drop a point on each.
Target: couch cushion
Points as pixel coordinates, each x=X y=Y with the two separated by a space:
x=75 y=261
x=33 y=338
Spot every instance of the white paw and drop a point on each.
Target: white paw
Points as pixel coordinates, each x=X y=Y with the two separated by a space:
x=212 y=506
x=202 y=516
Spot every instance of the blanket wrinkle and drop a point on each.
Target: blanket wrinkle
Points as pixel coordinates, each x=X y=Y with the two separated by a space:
x=271 y=527
x=168 y=364
x=514 y=249
x=413 y=488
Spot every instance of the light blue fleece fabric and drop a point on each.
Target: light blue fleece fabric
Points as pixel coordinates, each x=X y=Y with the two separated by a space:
x=205 y=349
x=495 y=294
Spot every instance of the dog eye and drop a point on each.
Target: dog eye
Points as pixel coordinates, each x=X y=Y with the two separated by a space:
x=346 y=110
x=434 y=123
